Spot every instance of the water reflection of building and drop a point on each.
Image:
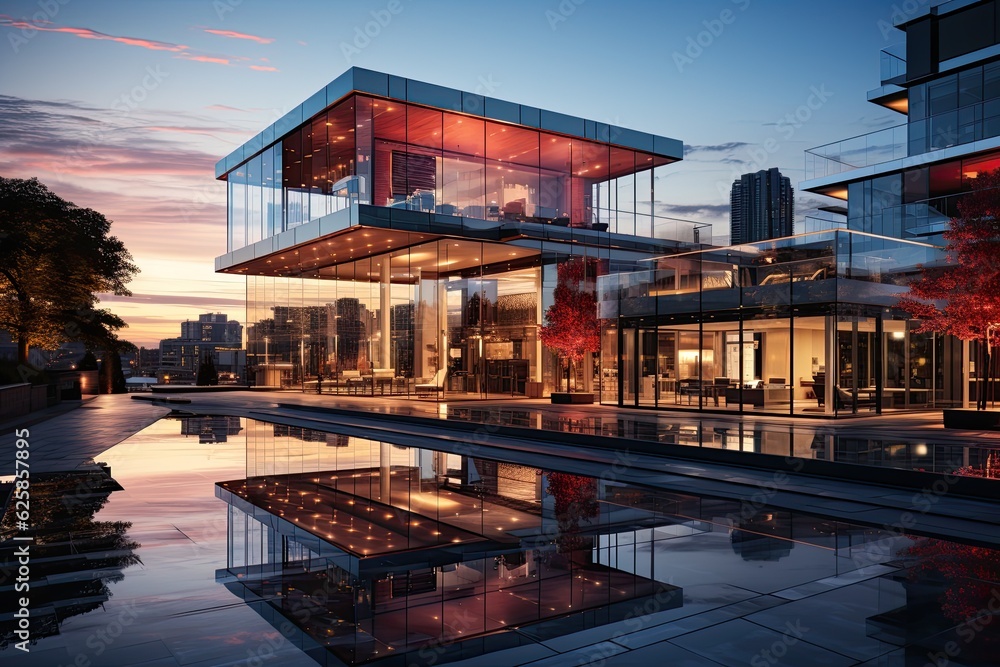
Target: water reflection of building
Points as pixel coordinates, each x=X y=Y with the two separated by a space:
x=211 y=429
x=374 y=550
x=765 y=536
x=73 y=558
x=308 y=435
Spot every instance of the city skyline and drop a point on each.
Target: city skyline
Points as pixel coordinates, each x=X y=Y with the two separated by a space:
x=179 y=88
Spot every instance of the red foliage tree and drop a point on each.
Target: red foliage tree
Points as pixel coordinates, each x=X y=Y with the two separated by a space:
x=571 y=327
x=963 y=298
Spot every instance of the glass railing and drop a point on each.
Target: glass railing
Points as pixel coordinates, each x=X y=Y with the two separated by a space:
x=861 y=151
x=820 y=223
x=803 y=259
x=928 y=217
x=921 y=219
x=964 y=125
x=892 y=62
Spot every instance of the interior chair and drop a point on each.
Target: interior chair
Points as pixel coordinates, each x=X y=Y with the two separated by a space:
x=435 y=385
x=513 y=210
x=819 y=389
x=845 y=400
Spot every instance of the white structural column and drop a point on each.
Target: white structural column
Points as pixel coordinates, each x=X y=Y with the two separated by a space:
x=831 y=365
x=540 y=319
x=442 y=324
x=385 y=305
x=384 y=470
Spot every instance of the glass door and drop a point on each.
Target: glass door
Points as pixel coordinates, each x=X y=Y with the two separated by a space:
x=648 y=366
x=628 y=370
x=666 y=380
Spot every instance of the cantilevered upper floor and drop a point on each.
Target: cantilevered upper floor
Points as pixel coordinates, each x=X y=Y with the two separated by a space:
x=375 y=140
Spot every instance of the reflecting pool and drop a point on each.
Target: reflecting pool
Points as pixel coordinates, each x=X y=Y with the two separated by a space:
x=226 y=541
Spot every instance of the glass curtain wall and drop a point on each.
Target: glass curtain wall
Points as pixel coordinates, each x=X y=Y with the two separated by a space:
x=453 y=164
x=388 y=153
x=763 y=328
x=452 y=317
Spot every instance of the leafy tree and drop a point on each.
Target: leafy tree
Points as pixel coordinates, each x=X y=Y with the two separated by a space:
x=112 y=377
x=88 y=362
x=96 y=329
x=963 y=298
x=55 y=257
x=207 y=374
x=571 y=327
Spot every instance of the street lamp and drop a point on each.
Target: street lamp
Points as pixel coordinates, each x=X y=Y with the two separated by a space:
x=267 y=340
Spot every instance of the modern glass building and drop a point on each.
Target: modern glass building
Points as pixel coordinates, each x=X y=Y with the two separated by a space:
x=803 y=325
x=808 y=324
x=906 y=181
x=403 y=238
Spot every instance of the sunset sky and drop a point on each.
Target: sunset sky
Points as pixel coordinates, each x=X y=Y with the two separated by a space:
x=125 y=107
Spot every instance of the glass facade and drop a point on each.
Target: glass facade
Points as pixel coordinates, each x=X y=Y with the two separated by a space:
x=395 y=154
x=952 y=110
x=394 y=248
x=801 y=325
x=439 y=318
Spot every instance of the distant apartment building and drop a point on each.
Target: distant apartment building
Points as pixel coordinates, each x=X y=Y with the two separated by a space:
x=762 y=207
x=214 y=327
x=211 y=333
x=147 y=360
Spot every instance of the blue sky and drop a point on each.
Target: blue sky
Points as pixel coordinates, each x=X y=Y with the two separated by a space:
x=125 y=106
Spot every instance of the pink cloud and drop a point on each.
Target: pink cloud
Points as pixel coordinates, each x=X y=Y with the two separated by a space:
x=239 y=35
x=263 y=68
x=224 y=107
x=116 y=161
x=203 y=59
x=184 y=52
x=87 y=33
x=210 y=131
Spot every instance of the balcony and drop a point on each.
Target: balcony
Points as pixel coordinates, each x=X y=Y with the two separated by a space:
x=803 y=269
x=862 y=151
x=821 y=222
x=892 y=64
x=957 y=127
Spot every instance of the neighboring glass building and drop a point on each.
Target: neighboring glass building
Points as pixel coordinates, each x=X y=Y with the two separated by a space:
x=808 y=324
x=803 y=325
x=906 y=181
x=399 y=237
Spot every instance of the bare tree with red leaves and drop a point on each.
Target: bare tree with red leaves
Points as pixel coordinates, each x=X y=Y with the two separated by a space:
x=571 y=327
x=963 y=298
